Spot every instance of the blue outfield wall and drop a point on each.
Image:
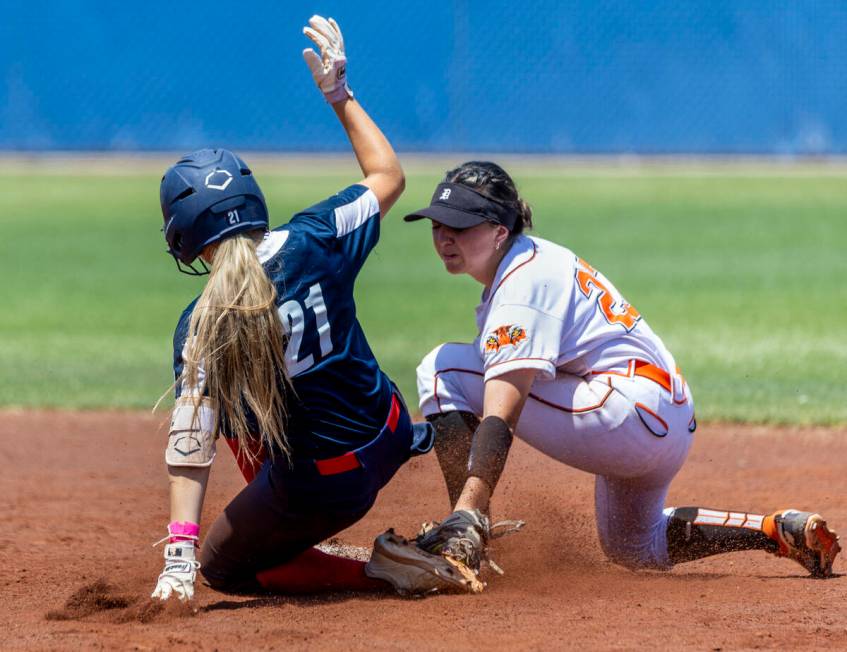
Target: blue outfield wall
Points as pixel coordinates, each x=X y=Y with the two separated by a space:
x=586 y=76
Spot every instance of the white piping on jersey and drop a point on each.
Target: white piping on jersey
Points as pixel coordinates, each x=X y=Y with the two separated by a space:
x=350 y=217
x=272 y=243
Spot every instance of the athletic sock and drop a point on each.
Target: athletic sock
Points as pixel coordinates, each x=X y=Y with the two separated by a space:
x=315 y=571
x=453 y=438
x=697 y=532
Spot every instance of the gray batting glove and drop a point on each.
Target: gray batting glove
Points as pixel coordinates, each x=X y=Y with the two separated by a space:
x=330 y=68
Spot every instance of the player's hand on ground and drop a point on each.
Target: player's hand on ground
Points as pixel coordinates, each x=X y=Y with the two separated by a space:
x=177 y=578
x=330 y=68
x=462 y=536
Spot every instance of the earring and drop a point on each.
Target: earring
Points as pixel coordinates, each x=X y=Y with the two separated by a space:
x=497 y=247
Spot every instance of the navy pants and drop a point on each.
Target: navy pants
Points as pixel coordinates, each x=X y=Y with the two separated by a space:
x=285 y=511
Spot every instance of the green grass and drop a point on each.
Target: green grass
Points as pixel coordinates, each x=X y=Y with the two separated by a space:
x=742 y=272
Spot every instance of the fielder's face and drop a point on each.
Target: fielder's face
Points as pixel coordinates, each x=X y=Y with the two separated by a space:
x=467 y=251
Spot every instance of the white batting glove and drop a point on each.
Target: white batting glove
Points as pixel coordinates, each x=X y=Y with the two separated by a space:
x=330 y=68
x=180 y=570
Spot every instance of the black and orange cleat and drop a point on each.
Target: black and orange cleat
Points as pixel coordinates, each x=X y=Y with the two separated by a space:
x=805 y=538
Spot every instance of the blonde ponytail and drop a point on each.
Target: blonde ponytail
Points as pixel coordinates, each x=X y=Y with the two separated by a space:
x=237 y=352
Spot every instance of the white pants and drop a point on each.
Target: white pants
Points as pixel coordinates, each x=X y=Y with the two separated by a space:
x=627 y=430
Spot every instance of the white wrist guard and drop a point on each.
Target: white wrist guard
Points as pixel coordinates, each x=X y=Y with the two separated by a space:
x=190 y=439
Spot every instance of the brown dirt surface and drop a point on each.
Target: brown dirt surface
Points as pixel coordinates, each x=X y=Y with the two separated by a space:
x=85 y=496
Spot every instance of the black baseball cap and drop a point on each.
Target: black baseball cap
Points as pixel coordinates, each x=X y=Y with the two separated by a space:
x=460 y=207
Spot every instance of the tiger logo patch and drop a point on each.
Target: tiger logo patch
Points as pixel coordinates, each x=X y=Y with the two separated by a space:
x=504 y=336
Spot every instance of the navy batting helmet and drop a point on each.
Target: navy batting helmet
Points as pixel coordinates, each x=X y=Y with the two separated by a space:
x=208 y=195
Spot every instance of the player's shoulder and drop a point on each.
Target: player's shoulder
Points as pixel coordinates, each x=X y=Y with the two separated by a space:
x=552 y=254
x=274 y=241
x=533 y=268
x=181 y=329
x=343 y=197
x=554 y=266
x=185 y=315
x=340 y=213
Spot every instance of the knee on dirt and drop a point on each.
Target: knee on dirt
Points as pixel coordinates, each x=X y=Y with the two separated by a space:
x=621 y=550
x=226 y=577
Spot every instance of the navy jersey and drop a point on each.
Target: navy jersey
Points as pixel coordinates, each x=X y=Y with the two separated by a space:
x=341 y=397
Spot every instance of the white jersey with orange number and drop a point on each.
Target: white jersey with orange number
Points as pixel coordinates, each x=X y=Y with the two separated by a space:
x=549 y=310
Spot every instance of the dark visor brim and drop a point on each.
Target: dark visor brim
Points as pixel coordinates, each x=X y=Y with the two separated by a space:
x=454 y=218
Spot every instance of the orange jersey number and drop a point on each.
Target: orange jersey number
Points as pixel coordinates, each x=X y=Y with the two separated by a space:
x=615 y=312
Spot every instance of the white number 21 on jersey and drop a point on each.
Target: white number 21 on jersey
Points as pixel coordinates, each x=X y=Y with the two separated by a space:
x=293 y=320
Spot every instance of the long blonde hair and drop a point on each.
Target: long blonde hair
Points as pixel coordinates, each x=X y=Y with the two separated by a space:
x=236 y=349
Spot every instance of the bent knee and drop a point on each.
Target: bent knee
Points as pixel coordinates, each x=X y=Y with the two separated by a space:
x=634 y=554
x=427 y=372
x=427 y=368
x=450 y=377
x=227 y=577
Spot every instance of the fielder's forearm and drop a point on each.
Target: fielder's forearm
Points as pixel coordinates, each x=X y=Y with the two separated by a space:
x=475 y=495
x=188 y=490
x=489 y=451
x=503 y=402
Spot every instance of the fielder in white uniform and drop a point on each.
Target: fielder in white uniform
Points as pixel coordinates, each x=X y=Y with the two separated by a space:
x=566 y=364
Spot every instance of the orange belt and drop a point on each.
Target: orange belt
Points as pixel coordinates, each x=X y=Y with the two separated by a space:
x=654 y=373
x=645 y=370
x=350 y=461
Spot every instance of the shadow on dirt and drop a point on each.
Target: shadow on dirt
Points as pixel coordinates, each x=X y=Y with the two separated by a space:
x=335 y=597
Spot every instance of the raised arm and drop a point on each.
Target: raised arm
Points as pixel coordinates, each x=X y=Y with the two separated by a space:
x=376 y=157
x=377 y=160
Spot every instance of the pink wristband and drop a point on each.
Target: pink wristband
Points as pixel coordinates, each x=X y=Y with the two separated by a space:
x=340 y=93
x=183 y=531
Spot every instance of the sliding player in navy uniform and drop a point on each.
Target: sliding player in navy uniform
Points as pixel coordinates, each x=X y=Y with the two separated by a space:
x=272 y=358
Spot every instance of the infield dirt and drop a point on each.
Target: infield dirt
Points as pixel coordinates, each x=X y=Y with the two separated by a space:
x=85 y=495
